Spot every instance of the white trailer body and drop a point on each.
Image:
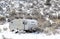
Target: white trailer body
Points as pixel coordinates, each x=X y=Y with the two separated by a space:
x=23 y=24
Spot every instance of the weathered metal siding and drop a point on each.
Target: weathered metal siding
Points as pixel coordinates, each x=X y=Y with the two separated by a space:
x=23 y=24
x=17 y=24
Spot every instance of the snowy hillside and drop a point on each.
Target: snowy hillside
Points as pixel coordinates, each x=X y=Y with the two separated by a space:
x=29 y=19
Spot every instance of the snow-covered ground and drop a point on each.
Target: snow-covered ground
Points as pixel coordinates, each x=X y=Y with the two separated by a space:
x=8 y=34
x=29 y=36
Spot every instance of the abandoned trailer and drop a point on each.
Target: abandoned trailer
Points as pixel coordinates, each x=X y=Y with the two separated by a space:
x=27 y=25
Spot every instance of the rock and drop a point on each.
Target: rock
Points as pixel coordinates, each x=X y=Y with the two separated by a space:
x=2 y=20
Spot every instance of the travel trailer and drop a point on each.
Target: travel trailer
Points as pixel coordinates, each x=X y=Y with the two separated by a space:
x=23 y=24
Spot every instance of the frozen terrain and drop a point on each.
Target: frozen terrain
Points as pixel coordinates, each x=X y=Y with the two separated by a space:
x=10 y=35
x=48 y=17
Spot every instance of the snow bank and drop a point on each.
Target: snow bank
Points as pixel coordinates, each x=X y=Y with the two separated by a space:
x=8 y=34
